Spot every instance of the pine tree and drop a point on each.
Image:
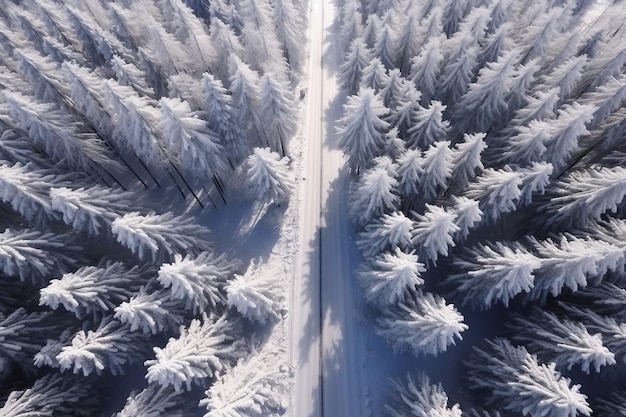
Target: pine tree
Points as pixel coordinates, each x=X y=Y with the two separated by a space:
x=91 y=209
x=278 y=110
x=433 y=232
x=198 y=281
x=585 y=195
x=268 y=176
x=564 y=342
x=256 y=386
x=257 y=294
x=429 y=126
x=110 y=346
x=388 y=233
x=357 y=58
x=518 y=382
x=418 y=396
x=425 y=69
x=159 y=236
x=493 y=273
x=51 y=395
x=437 y=168
x=32 y=255
x=423 y=324
x=374 y=194
x=390 y=276
x=202 y=350
x=360 y=132
x=151 y=311
x=374 y=75
x=155 y=400
x=92 y=289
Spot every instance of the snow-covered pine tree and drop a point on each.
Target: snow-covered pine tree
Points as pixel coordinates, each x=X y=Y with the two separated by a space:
x=92 y=209
x=151 y=311
x=156 y=400
x=429 y=126
x=361 y=131
x=358 y=57
x=33 y=255
x=391 y=231
x=51 y=395
x=198 y=281
x=203 y=349
x=257 y=386
x=516 y=381
x=257 y=294
x=434 y=232
x=374 y=194
x=418 y=396
x=268 y=177
x=92 y=289
x=111 y=346
x=493 y=273
x=279 y=112
x=160 y=236
x=422 y=324
x=390 y=277
x=564 y=342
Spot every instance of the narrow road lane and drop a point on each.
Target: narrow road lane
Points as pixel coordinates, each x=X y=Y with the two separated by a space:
x=325 y=351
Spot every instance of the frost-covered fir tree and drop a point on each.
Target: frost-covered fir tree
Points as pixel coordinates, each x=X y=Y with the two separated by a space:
x=563 y=342
x=423 y=324
x=257 y=386
x=418 y=396
x=257 y=294
x=518 y=382
x=390 y=276
x=203 y=348
x=268 y=177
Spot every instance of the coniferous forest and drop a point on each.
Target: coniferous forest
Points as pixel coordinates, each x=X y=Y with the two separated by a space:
x=119 y=122
x=484 y=144
x=485 y=141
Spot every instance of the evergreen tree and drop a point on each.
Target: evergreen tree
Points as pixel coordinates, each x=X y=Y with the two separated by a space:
x=388 y=277
x=387 y=233
x=201 y=351
x=198 y=281
x=492 y=273
x=92 y=289
x=563 y=342
x=51 y=395
x=155 y=400
x=423 y=324
x=257 y=294
x=434 y=231
x=360 y=132
x=357 y=58
x=256 y=386
x=374 y=194
x=268 y=176
x=159 y=236
x=429 y=126
x=278 y=110
x=518 y=382
x=111 y=346
x=418 y=396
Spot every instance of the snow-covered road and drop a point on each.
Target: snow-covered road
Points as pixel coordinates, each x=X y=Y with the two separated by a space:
x=322 y=335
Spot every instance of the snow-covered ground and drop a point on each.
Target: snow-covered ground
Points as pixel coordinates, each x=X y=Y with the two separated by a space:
x=323 y=345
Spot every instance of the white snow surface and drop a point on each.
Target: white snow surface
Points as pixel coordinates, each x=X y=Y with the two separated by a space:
x=321 y=314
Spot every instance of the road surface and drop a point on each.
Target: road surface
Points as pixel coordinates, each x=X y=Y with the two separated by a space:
x=324 y=350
